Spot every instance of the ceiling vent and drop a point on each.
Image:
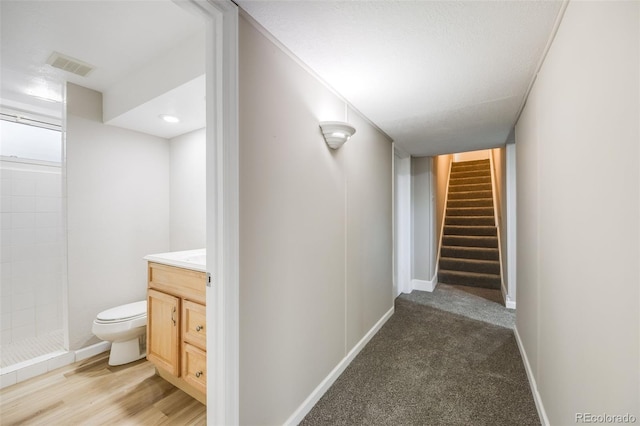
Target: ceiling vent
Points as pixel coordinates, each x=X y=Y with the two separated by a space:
x=69 y=64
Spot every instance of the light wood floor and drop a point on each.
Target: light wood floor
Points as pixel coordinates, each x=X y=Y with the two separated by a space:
x=91 y=392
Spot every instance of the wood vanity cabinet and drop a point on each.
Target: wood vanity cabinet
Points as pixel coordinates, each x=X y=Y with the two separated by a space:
x=176 y=327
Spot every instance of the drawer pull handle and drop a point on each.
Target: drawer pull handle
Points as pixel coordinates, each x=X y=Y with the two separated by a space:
x=173 y=316
x=198 y=373
x=199 y=327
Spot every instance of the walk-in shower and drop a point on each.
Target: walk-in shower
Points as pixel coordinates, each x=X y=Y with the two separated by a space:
x=33 y=254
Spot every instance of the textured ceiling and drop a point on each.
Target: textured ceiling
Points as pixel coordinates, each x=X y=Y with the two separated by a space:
x=437 y=77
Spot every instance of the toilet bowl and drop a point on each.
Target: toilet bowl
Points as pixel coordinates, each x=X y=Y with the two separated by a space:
x=125 y=327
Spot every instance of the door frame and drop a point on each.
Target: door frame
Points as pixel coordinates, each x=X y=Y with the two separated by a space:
x=222 y=216
x=402 y=247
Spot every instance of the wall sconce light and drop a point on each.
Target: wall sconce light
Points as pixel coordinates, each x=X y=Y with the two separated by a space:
x=336 y=133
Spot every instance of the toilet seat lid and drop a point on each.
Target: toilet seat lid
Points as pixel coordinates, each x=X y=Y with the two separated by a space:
x=128 y=311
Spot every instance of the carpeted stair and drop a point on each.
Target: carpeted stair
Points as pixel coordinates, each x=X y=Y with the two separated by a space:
x=469 y=253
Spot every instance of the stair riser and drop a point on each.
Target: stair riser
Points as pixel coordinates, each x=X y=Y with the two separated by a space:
x=469 y=173
x=461 y=195
x=490 y=231
x=464 y=241
x=479 y=202
x=470 y=253
x=470 y=220
x=470 y=163
x=470 y=211
x=470 y=188
x=454 y=279
x=483 y=267
x=469 y=180
x=458 y=167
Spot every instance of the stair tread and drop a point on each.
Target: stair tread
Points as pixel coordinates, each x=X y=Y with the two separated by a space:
x=471 y=248
x=469 y=274
x=474 y=217
x=483 y=237
x=465 y=259
x=477 y=186
x=471 y=184
x=460 y=195
x=469 y=208
x=474 y=199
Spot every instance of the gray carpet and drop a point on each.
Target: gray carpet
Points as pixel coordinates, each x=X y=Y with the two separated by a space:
x=482 y=304
x=428 y=366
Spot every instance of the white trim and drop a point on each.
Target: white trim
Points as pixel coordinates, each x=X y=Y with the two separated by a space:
x=509 y=304
x=92 y=350
x=424 y=285
x=395 y=292
x=532 y=381
x=512 y=261
x=498 y=221
x=221 y=64
x=402 y=221
x=326 y=383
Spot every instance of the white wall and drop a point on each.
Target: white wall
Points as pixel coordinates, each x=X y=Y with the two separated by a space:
x=402 y=223
x=118 y=211
x=315 y=232
x=32 y=253
x=579 y=216
x=188 y=191
x=423 y=264
x=178 y=65
x=472 y=155
x=441 y=169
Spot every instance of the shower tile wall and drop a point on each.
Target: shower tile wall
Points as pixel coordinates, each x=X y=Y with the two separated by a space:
x=32 y=252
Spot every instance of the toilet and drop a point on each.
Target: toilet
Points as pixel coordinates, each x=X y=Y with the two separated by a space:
x=125 y=327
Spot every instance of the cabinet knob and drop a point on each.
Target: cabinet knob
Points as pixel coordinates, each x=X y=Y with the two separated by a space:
x=199 y=327
x=198 y=373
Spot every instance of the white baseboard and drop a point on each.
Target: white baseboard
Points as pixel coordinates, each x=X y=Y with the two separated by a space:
x=424 y=285
x=532 y=381
x=92 y=350
x=320 y=390
x=508 y=303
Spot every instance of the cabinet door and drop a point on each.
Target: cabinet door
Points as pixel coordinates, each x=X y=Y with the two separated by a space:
x=163 y=325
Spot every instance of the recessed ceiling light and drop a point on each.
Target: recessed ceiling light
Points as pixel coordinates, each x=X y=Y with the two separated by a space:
x=169 y=118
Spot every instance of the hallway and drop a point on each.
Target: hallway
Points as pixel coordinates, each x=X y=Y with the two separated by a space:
x=447 y=357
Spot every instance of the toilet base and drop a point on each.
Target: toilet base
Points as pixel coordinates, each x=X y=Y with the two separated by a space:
x=128 y=351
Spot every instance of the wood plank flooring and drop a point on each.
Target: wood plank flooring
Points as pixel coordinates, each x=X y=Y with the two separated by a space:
x=91 y=392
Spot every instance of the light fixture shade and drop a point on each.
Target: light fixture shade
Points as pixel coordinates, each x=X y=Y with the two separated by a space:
x=336 y=133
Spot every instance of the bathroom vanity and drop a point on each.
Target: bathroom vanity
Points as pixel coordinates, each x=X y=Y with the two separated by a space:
x=176 y=319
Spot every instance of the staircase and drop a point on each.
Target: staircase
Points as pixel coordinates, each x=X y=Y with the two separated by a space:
x=469 y=253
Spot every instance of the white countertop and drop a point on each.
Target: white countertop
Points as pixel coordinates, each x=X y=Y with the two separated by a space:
x=189 y=259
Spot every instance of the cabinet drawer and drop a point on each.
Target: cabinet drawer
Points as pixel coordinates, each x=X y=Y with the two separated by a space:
x=178 y=281
x=194 y=318
x=194 y=367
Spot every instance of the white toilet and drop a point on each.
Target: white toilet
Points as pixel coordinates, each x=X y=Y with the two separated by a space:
x=125 y=327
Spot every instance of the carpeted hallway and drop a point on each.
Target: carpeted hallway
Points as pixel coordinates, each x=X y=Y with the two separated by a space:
x=435 y=363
